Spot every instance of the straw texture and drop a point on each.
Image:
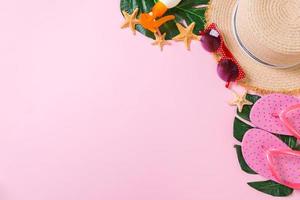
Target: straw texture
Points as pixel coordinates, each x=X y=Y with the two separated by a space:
x=270 y=29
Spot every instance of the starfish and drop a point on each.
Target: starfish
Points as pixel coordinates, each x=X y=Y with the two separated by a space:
x=186 y=34
x=130 y=20
x=160 y=40
x=240 y=101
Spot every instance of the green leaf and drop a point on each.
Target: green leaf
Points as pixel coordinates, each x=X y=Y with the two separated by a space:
x=297 y=147
x=244 y=166
x=245 y=114
x=271 y=188
x=289 y=140
x=188 y=11
x=239 y=129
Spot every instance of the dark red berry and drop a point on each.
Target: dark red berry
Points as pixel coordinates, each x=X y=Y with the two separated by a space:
x=209 y=42
x=227 y=70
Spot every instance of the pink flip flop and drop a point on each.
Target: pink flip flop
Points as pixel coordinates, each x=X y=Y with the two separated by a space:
x=277 y=113
x=271 y=158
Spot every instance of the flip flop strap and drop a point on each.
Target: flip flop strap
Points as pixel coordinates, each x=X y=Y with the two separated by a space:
x=284 y=119
x=270 y=158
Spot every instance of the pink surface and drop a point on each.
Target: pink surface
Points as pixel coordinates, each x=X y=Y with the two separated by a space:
x=255 y=145
x=85 y=115
x=265 y=113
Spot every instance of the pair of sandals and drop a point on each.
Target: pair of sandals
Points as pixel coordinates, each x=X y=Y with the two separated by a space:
x=265 y=153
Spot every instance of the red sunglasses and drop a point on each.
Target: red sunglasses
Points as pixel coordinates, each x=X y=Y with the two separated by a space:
x=228 y=69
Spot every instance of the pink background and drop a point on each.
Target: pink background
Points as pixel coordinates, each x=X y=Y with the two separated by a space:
x=90 y=112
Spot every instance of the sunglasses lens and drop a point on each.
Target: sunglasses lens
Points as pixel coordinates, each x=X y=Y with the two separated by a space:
x=211 y=40
x=227 y=70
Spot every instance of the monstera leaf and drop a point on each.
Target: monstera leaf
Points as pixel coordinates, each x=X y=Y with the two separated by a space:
x=272 y=188
x=239 y=129
x=187 y=11
x=244 y=166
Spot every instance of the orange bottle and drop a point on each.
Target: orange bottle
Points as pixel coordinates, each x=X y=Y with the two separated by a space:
x=153 y=20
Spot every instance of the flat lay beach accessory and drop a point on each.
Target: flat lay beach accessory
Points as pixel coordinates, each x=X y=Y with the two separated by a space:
x=273 y=113
x=271 y=158
x=228 y=68
x=257 y=46
x=264 y=37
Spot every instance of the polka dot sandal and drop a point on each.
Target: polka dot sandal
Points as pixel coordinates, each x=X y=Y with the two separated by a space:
x=277 y=113
x=271 y=158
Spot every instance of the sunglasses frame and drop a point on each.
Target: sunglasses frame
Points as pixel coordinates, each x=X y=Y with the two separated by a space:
x=224 y=52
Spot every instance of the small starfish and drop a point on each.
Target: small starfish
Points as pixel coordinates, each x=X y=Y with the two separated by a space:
x=240 y=101
x=130 y=20
x=186 y=34
x=160 y=41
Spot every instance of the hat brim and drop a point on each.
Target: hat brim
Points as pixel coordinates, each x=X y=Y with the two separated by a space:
x=259 y=77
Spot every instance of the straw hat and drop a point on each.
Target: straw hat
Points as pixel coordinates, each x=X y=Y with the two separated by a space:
x=264 y=37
